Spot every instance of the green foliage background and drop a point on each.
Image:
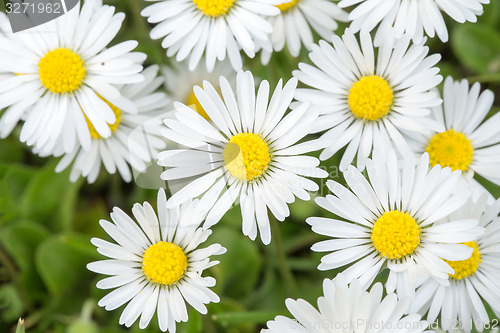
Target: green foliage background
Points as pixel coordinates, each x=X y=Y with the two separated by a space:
x=46 y=222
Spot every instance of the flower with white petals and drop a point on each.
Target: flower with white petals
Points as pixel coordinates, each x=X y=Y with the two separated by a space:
x=156 y=265
x=191 y=28
x=475 y=281
x=135 y=137
x=390 y=220
x=58 y=73
x=248 y=151
x=367 y=99
x=179 y=81
x=349 y=308
x=467 y=141
x=411 y=17
x=298 y=20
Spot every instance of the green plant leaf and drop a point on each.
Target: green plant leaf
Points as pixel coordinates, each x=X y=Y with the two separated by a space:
x=50 y=198
x=477 y=46
x=239 y=268
x=61 y=262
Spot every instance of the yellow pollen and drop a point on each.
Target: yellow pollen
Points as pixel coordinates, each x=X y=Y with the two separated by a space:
x=194 y=104
x=468 y=267
x=112 y=127
x=246 y=156
x=287 y=5
x=370 y=98
x=450 y=149
x=395 y=234
x=164 y=263
x=214 y=8
x=61 y=71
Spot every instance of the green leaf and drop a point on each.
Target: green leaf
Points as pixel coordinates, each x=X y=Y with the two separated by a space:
x=20 y=326
x=477 y=46
x=61 y=261
x=239 y=268
x=21 y=240
x=50 y=198
x=11 y=305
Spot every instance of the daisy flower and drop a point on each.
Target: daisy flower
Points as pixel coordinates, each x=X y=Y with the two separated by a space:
x=297 y=21
x=475 y=280
x=365 y=101
x=349 y=308
x=467 y=141
x=248 y=152
x=192 y=28
x=179 y=81
x=55 y=75
x=389 y=220
x=156 y=264
x=411 y=17
x=135 y=137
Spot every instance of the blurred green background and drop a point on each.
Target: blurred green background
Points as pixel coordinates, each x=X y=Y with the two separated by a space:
x=46 y=222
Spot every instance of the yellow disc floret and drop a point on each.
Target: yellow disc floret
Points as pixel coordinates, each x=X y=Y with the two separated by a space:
x=61 y=71
x=194 y=104
x=287 y=5
x=214 y=8
x=370 y=98
x=246 y=156
x=468 y=267
x=395 y=234
x=450 y=149
x=112 y=127
x=164 y=263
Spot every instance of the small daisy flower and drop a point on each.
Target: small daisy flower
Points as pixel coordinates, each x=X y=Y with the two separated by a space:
x=298 y=20
x=411 y=17
x=467 y=141
x=349 y=308
x=390 y=220
x=57 y=72
x=248 y=152
x=135 y=137
x=365 y=101
x=475 y=280
x=156 y=264
x=192 y=28
x=179 y=81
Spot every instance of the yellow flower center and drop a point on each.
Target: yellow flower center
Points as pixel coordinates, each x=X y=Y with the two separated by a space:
x=194 y=104
x=61 y=71
x=370 y=98
x=214 y=8
x=287 y=5
x=164 y=263
x=395 y=234
x=246 y=156
x=112 y=127
x=468 y=267
x=450 y=149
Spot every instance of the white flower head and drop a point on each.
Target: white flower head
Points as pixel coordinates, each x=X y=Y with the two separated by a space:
x=248 y=151
x=297 y=22
x=135 y=137
x=412 y=17
x=467 y=141
x=390 y=219
x=349 y=308
x=367 y=99
x=216 y=29
x=156 y=265
x=475 y=281
x=60 y=73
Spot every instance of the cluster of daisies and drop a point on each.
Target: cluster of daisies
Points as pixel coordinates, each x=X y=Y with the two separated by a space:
x=410 y=205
